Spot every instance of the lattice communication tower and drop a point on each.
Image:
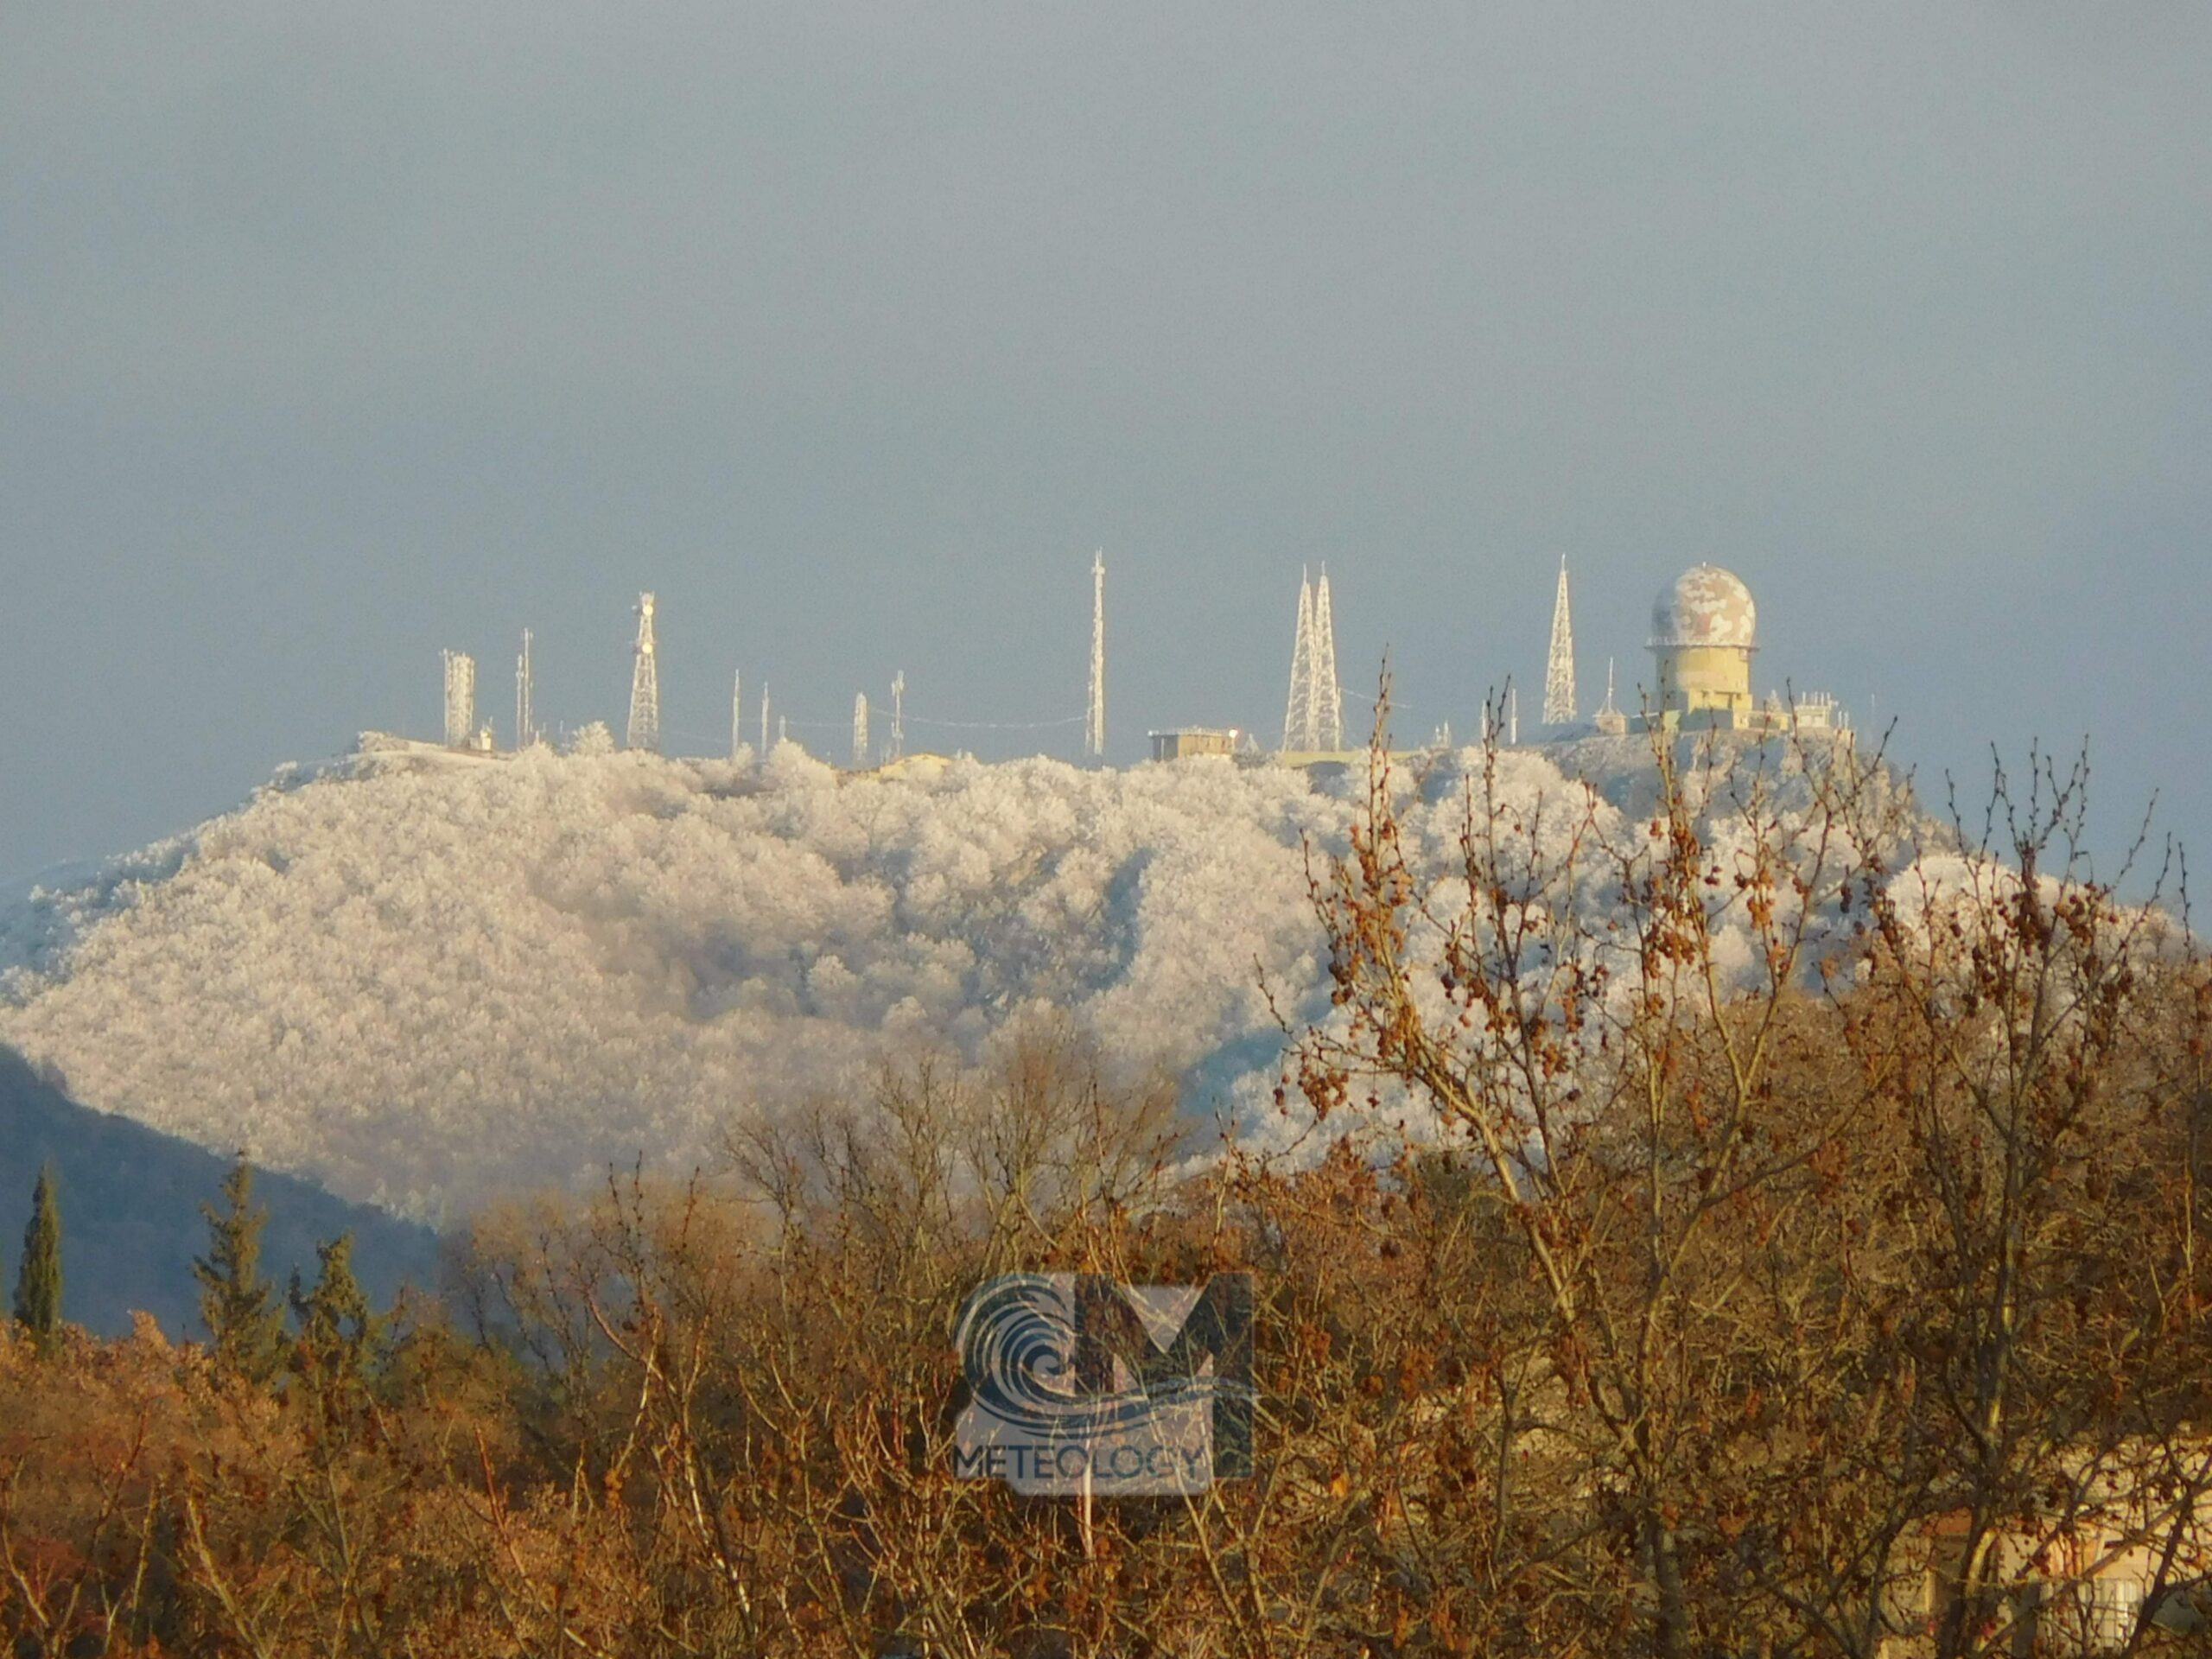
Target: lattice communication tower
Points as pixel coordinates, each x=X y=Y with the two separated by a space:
x=644 y=682
x=460 y=699
x=1559 y=668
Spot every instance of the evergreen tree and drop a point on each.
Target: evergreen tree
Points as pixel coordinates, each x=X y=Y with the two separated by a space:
x=238 y=1305
x=337 y=1331
x=38 y=1284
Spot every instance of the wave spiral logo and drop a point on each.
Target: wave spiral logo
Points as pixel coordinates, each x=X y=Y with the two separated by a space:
x=1079 y=1384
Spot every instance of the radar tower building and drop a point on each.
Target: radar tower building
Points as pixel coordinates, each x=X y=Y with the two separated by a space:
x=1704 y=630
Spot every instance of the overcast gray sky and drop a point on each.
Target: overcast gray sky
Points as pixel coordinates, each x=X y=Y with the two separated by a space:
x=332 y=336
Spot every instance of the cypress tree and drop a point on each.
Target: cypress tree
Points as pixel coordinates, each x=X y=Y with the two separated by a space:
x=236 y=1305
x=38 y=1283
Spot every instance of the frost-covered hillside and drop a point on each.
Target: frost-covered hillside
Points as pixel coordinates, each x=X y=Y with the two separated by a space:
x=420 y=978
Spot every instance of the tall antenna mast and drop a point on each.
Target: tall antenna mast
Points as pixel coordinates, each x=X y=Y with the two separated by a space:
x=899 y=715
x=1326 y=695
x=1609 y=708
x=1094 y=731
x=1559 y=669
x=764 y=719
x=644 y=682
x=860 y=733
x=1512 y=716
x=736 y=713
x=1298 y=717
x=460 y=699
x=525 y=729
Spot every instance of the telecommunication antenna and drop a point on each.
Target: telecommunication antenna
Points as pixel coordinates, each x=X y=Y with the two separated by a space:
x=764 y=719
x=644 y=682
x=1609 y=709
x=1094 y=731
x=736 y=713
x=1297 y=720
x=859 y=732
x=1315 y=718
x=1326 y=697
x=1558 y=669
x=1512 y=716
x=783 y=729
x=899 y=715
x=525 y=730
x=460 y=699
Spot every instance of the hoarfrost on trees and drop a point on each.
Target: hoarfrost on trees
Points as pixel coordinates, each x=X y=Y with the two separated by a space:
x=421 y=977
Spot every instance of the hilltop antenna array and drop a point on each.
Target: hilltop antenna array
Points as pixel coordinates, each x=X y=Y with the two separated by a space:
x=1094 y=730
x=1313 y=721
x=644 y=682
x=736 y=713
x=525 y=731
x=460 y=699
x=764 y=719
x=1559 y=669
x=859 y=732
x=899 y=715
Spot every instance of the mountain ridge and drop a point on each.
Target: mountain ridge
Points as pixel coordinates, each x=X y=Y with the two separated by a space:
x=130 y=1198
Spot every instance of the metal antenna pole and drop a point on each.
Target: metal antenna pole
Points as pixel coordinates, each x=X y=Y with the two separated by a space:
x=526 y=719
x=644 y=682
x=1094 y=734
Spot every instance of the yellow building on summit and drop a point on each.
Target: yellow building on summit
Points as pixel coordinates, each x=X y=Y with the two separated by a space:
x=1703 y=629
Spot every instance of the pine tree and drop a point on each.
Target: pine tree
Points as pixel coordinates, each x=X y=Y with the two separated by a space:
x=38 y=1284
x=236 y=1305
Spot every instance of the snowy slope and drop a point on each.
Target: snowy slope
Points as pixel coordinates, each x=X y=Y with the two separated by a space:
x=419 y=977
